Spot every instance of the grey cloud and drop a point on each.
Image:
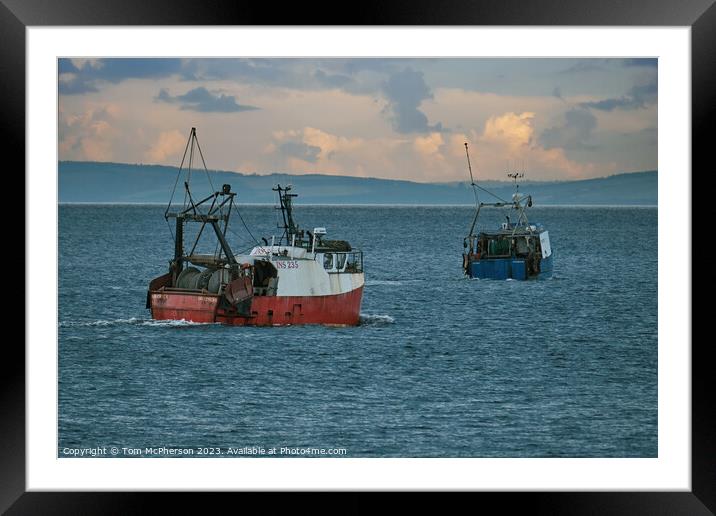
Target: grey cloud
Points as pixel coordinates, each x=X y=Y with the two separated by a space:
x=362 y=76
x=114 y=70
x=331 y=80
x=75 y=86
x=119 y=69
x=275 y=71
x=308 y=74
x=574 y=133
x=557 y=93
x=612 y=104
x=646 y=93
x=300 y=150
x=639 y=96
x=66 y=66
x=271 y=71
x=380 y=65
x=642 y=61
x=202 y=100
x=590 y=65
x=164 y=96
x=405 y=91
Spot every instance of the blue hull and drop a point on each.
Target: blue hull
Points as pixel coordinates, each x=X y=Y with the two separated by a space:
x=508 y=268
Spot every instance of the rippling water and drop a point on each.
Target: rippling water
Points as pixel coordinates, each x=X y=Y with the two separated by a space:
x=441 y=366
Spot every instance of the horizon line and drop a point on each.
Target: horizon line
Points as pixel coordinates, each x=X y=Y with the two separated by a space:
x=267 y=174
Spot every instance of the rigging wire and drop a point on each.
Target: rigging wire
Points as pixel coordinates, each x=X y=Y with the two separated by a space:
x=211 y=184
x=190 y=149
x=208 y=176
x=194 y=140
x=188 y=174
x=475 y=185
x=492 y=194
x=176 y=181
x=169 y=227
x=240 y=240
x=472 y=180
x=245 y=226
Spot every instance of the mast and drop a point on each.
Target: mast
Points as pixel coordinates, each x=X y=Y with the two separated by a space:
x=472 y=181
x=218 y=209
x=474 y=191
x=285 y=200
x=517 y=200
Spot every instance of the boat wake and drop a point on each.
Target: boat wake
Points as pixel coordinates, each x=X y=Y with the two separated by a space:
x=176 y=323
x=375 y=320
x=134 y=321
x=371 y=283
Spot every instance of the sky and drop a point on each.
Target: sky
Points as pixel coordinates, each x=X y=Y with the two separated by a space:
x=393 y=118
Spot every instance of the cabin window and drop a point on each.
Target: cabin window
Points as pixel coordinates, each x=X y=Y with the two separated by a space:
x=499 y=247
x=340 y=261
x=522 y=246
x=328 y=261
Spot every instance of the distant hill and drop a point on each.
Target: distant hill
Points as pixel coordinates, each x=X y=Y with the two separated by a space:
x=85 y=181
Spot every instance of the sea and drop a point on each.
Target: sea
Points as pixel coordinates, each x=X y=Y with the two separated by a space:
x=439 y=366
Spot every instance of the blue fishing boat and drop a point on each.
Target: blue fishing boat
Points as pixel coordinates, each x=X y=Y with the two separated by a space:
x=517 y=249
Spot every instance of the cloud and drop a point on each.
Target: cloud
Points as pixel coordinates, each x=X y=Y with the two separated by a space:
x=574 y=133
x=589 y=65
x=512 y=129
x=88 y=74
x=374 y=64
x=300 y=150
x=66 y=66
x=168 y=144
x=434 y=162
x=645 y=93
x=90 y=135
x=434 y=156
x=639 y=96
x=71 y=84
x=317 y=74
x=308 y=150
x=597 y=65
x=509 y=138
x=332 y=146
x=351 y=75
x=331 y=80
x=428 y=145
x=263 y=71
x=370 y=117
x=405 y=91
x=202 y=100
x=650 y=62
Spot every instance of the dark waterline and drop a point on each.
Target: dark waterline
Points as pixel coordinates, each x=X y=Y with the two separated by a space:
x=441 y=366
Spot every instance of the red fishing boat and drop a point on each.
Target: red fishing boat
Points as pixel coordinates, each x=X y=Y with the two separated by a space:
x=300 y=277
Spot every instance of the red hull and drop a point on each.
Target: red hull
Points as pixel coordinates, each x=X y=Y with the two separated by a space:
x=335 y=310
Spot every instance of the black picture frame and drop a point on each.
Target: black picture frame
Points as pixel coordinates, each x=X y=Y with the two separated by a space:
x=700 y=15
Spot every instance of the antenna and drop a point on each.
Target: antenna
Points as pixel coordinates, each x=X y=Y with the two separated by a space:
x=515 y=176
